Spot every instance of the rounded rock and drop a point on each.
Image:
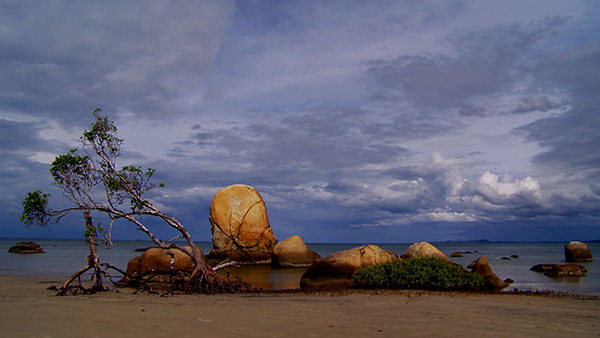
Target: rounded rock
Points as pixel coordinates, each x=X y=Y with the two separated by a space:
x=240 y=226
x=335 y=271
x=577 y=252
x=292 y=252
x=424 y=249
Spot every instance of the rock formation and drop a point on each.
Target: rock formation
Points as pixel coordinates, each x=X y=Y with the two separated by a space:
x=335 y=271
x=292 y=252
x=577 y=252
x=560 y=270
x=26 y=248
x=240 y=226
x=482 y=267
x=159 y=260
x=423 y=249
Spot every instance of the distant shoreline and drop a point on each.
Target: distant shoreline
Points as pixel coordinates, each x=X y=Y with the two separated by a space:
x=325 y=243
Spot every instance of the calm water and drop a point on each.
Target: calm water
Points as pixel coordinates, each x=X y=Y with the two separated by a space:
x=63 y=257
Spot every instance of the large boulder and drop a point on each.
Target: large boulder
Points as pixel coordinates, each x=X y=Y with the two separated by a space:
x=482 y=267
x=424 y=249
x=159 y=260
x=26 y=248
x=577 y=252
x=240 y=226
x=292 y=252
x=335 y=271
x=560 y=270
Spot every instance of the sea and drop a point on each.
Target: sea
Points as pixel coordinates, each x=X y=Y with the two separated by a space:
x=65 y=256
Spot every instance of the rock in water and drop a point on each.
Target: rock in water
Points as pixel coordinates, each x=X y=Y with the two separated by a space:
x=560 y=270
x=26 y=248
x=240 y=226
x=293 y=252
x=335 y=271
x=577 y=252
x=482 y=267
x=424 y=249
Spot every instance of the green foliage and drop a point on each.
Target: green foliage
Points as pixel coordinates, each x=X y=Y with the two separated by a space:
x=90 y=231
x=34 y=208
x=72 y=169
x=103 y=136
x=430 y=273
x=90 y=178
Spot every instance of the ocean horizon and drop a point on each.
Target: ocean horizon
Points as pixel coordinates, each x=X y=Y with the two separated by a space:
x=65 y=256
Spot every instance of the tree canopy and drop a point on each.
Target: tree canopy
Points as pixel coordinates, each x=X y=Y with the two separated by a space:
x=92 y=181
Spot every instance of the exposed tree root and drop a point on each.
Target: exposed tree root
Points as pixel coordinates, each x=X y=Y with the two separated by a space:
x=179 y=281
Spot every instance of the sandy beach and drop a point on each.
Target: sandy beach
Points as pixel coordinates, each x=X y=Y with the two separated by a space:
x=29 y=310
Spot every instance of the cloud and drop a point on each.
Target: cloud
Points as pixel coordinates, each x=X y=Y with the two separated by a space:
x=536 y=104
x=487 y=61
x=64 y=59
x=397 y=117
x=571 y=138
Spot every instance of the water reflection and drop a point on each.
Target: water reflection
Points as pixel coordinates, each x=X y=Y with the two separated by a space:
x=266 y=276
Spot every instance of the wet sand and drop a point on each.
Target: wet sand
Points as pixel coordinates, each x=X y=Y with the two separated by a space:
x=27 y=309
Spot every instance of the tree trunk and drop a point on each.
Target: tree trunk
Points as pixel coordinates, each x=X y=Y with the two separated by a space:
x=93 y=260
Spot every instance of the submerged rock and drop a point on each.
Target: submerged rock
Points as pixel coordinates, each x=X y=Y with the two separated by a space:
x=335 y=271
x=456 y=254
x=482 y=267
x=577 y=252
x=424 y=249
x=292 y=252
x=240 y=226
x=26 y=248
x=560 y=270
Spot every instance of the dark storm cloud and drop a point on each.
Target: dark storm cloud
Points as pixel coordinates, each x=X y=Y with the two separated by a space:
x=536 y=104
x=488 y=61
x=65 y=59
x=412 y=126
x=571 y=139
x=15 y=136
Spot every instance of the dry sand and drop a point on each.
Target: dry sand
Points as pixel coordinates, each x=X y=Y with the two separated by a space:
x=29 y=310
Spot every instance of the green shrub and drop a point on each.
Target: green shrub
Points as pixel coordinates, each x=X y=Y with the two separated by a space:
x=430 y=273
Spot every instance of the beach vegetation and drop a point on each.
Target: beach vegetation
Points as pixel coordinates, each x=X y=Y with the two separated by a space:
x=420 y=272
x=92 y=180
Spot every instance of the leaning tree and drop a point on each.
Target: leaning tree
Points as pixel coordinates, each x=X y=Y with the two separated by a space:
x=91 y=180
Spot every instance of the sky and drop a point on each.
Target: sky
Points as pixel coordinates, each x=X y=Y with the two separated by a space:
x=357 y=121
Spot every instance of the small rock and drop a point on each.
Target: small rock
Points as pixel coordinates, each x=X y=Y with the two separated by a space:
x=577 y=252
x=26 y=248
x=505 y=258
x=455 y=254
x=560 y=270
x=482 y=267
x=509 y=281
x=424 y=249
x=514 y=256
x=292 y=252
